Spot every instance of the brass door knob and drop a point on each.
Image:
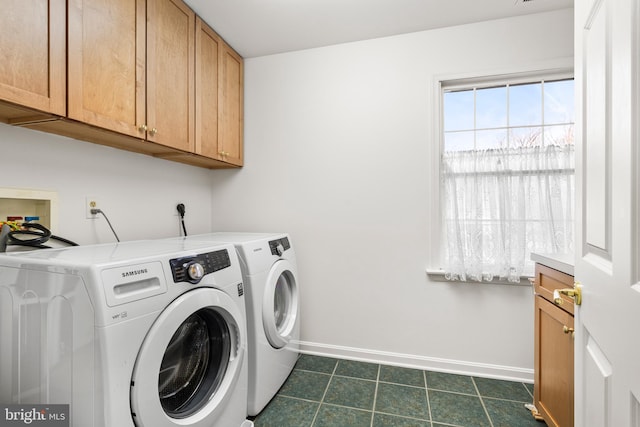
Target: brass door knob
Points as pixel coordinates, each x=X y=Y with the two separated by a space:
x=153 y=131
x=142 y=128
x=575 y=293
x=568 y=330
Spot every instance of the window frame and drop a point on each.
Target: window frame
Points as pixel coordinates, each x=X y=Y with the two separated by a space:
x=559 y=69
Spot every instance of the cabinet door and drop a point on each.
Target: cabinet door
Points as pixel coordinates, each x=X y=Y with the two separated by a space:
x=32 y=48
x=170 y=74
x=553 y=364
x=230 y=103
x=208 y=46
x=107 y=64
x=219 y=92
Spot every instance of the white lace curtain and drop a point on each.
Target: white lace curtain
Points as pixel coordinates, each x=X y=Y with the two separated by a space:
x=500 y=205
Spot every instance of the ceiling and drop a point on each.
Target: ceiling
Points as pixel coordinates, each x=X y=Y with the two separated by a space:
x=265 y=27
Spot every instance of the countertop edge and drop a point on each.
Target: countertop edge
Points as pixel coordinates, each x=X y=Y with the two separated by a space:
x=561 y=262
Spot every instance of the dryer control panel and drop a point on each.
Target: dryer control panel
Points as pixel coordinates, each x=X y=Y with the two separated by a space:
x=193 y=268
x=278 y=246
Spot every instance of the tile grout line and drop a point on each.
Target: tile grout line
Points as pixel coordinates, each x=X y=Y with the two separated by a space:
x=482 y=402
x=527 y=388
x=326 y=389
x=375 y=397
x=426 y=391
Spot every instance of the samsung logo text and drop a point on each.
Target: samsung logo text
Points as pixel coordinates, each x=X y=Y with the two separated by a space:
x=135 y=272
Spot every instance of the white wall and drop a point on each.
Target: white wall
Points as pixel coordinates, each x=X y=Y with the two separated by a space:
x=138 y=193
x=338 y=151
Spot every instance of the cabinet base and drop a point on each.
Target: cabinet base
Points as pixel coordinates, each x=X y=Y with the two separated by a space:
x=534 y=412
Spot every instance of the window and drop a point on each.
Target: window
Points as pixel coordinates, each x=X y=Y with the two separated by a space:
x=507 y=175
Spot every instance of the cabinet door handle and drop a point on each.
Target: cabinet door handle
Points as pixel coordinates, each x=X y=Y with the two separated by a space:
x=153 y=131
x=142 y=128
x=568 y=330
x=575 y=292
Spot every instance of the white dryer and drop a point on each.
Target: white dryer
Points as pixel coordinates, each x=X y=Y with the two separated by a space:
x=149 y=333
x=271 y=282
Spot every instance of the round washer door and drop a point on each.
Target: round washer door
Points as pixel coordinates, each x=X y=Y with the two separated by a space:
x=189 y=361
x=280 y=304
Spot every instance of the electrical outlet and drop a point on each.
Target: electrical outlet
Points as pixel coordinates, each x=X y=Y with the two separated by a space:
x=91 y=203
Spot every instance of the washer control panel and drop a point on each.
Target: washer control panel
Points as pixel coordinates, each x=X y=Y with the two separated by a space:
x=278 y=246
x=193 y=268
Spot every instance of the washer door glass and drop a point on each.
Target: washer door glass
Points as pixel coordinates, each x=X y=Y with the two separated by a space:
x=192 y=355
x=280 y=305
x=194 y=363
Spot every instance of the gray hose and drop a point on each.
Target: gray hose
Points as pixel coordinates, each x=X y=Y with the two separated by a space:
x=4 y=237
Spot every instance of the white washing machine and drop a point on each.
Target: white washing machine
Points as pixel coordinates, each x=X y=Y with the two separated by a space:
x=148 y=333
x=270 y=277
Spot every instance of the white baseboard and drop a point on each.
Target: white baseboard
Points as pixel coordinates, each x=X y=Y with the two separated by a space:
x=451 y=366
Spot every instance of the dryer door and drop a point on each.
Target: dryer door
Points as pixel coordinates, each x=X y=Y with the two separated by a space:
x=280 y=304
x=189 y=361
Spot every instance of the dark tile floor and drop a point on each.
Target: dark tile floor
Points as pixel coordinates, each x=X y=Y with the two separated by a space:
x=327 y=392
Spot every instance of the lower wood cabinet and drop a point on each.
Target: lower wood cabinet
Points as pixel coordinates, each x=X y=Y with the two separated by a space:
x=553 y=394
x=553 y=374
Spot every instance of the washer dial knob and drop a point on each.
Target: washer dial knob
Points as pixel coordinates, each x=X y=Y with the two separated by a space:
x=195 y=271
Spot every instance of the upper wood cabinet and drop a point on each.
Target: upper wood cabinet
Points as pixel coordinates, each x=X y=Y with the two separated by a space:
x=32 y=48
x=107 y=63
x=231 y=105
x=219 y=95
x=208 y=47
x=131 y=68
x=170 y=74
x=131 y=72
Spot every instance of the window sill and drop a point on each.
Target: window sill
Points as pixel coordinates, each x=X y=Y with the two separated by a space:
x=437 y=275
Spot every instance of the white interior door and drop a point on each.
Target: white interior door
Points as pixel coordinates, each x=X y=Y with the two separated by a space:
x=607 y=348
